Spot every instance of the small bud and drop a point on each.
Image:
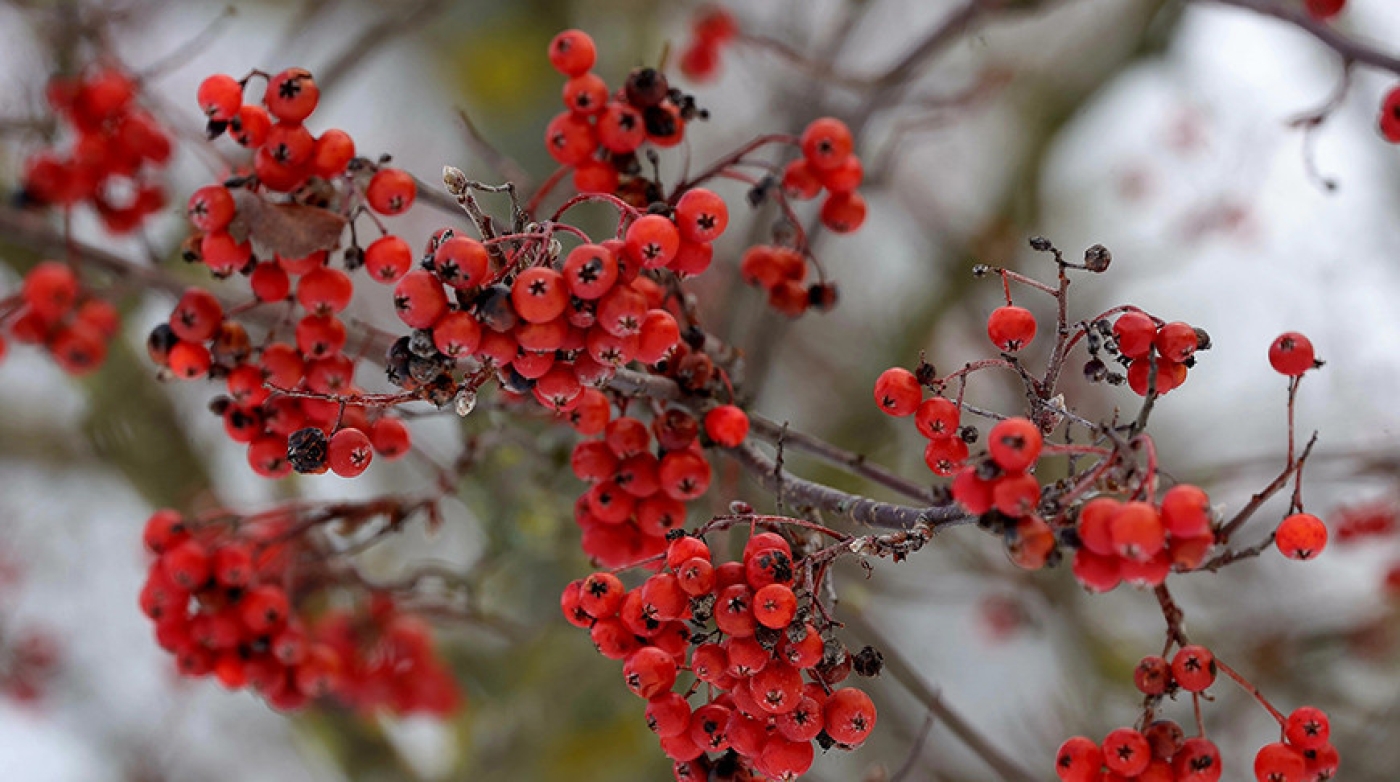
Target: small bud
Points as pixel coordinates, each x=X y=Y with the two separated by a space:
x=1040 y=244
x=455 y=180
x=466 y=402
x=868 y=662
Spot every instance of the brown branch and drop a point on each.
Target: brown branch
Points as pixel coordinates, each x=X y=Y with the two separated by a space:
x=1264 y=494
x=33 y=231
x=863 y=510
x=1351 y=50
x=854 y=463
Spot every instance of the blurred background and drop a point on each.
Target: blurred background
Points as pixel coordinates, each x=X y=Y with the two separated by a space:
x=1160 y=129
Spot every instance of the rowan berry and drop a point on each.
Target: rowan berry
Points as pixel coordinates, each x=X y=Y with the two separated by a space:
x=572 y=53
x=897 y=392
x=50 y=289
x=419 y=299
x=937 y=417
x=734 y=610
x=701 y=215
x=220 y=97
x=1322 y=763
x=1176 y=341
x=1016 y=495
x=849 y=716
x=164 y=530
x=1307 y=728
x=1135 y=333
x=291 y=95
x=620 y=129
x=668 y=714
x=270 y=282
x=774 y=606
x=1096 y=572
x=1193 y=667
x=324 y=291
x=1186 y=511
x=684 y=475
x=1165 y=737
x=187 y=564
x=1301 y=536
x=649 y=672
x=727 y=425
x=211 y=208
x=1390 y=116
x=391 y=191
x=1014 y=444
x=1170 y=374
x=1291 y=354
x=1011 y=328
x=800 y=180
x=388 y=259
x=1137 y=532
x=250 y=126
x=1198 y=760
x=349 y=452
x=289 y=144
x=654 y=240
x=843 y=212
x=332 y=154
x=189 y=360
x=658 y=336
x=264 y=608
x=317 y=336
x=1079 y=759
x=1126 y=752
x=826 y=143
x=1324 y=10
x=1153 y=675
x=570 y=139
x=1279 y=762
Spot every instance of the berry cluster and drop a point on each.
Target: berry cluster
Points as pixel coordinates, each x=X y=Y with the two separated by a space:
x=1160 y=752
x=829 y=163
x=637 y=497
x=600 y=132
x=899 y=393
x=219 y=596
x=285 y=396
x=53 y=311
x=747 y=628
x=712 y=30
x=1140 y=542
x=117 y=150
x=1147 y=345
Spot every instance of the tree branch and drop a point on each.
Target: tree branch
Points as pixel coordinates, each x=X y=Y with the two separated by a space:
x=1350 y=49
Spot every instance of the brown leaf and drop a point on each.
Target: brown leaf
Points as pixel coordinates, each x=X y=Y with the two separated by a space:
x=289 y=230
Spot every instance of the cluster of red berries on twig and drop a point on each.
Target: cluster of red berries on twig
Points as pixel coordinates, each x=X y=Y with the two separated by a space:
x=712 y=30
x=1157 y=750
x=117 y=151
x=744 y=636
x=227 y=600
x=52 y=310
x=601 y=132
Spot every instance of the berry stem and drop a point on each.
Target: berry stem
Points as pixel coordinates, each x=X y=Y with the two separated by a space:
x=1251 y=689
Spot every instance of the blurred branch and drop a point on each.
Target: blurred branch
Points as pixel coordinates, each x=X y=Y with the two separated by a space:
x=1351 y=50
x=905 y=673
x=359 y=49
x=33 y=231
x=854 y=463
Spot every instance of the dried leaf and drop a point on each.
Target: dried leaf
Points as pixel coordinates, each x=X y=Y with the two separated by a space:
x=288 y=230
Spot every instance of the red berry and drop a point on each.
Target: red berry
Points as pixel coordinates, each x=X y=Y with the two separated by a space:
x=250 y=126
x=211 y=208
x=50 y=289
x=1014 y=444
x=1176 y=341
x=1323 y=10
x=291 y=95
x=1291 y=354
x=388 y=259
x=701 y=215
x=1169 y=375
x=727 y=425
x=1197 y=760
x=264 y=608
x=1152 y=676
x=196 y=316
x=1126 y=752
x=897 y=392
x=349 y=452
x=649 y=672
x=539 y=294
x=800 y=180
x=1186 y=511
x=270 y=282
x=1079 y=759
x=220 y=97
x=937 y=417
x=569 y=139
x=1194 y=668
x=391 y=191
x=1390 y=116
x=572 y=52
x=1137 y=532
x=774 y=606
x=654 y=240
x=826 y=143
x=1279 y=762
x=843 y=212
x=390 y=437
x=1135 y=333
x=620 y=129
x=849 y=716
x=585 y=94
x=1307 y=728
x=325 y=291
x=419 y=299
x=1011 y=328
x=333 y=152
x=462 y=263
x=1301 y=536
